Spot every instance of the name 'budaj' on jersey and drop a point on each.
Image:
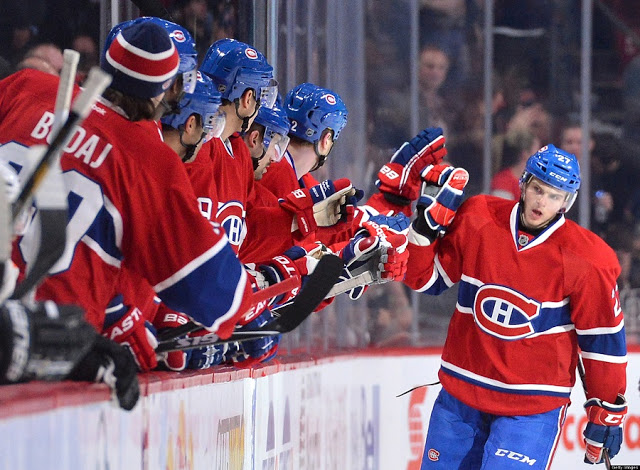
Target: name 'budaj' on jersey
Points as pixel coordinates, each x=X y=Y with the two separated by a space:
x=523 y=309
x=130 y=204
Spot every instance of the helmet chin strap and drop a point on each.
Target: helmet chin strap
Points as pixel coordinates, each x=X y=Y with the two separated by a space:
x=191 y=148
x=321 y=158
x=256 y=160
x=245 y=120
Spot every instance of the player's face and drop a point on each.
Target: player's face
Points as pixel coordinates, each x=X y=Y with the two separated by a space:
x=263 y=163
x=541 y=203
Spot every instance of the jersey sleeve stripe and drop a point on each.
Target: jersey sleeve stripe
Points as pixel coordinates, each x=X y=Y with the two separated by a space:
x=603 y=330
x=604 y=357
x=191 y=266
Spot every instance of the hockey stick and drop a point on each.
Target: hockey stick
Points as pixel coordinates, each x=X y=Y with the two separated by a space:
x=260 y=296
x=289 y=318
x=53 y=221
x=52 y=215
x=582 y=374
x=96 y=83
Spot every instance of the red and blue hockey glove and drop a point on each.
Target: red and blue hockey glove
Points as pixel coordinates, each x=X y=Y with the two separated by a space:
x=128 y=327
x=442 y=194
x=296 y=261
x=399 y=180
x=604 y=428
x=167 y=319
x=376 y=250
x=322 y=205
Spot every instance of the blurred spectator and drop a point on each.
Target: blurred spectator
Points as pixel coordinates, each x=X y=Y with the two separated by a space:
x=631 y=101
x=390 y=314
x=36 y=63
x=88 y=50
x=48 y=52
x=571 y=139
x=434 y=109
x=530 y=116
x=518 y=146
x=199 y=21
x=524 y=26
x=446 y=24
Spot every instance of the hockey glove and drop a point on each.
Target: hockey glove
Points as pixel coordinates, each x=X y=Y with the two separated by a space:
x=604 y=428
x=296 y=261
x=207 y=356
x=166 y=319
x=41 y=344
x=322 y=205
x=376 y=250
x=399 y=180
x=255 y=351
x=441 y=196
x=128 y=327
x=112 y=364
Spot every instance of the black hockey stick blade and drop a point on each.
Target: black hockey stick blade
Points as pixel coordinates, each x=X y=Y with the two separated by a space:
x=288 y=318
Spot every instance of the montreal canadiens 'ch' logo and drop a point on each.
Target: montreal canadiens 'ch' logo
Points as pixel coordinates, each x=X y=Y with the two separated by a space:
x=330 y=99
x=251 y=53
x=178 y=36
x=231 y=216
x=504 y=312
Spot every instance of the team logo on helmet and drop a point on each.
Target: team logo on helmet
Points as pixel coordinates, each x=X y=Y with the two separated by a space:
x=504 y=312
x=178 y=36
x=330 y=99
x=251 y=53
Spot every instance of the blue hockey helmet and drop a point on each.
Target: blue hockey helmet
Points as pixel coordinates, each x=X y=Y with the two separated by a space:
x=182 y=40
x=312 y=109
x=236 y=67
x=204 y=101
x=557 y=168
x=276 y=129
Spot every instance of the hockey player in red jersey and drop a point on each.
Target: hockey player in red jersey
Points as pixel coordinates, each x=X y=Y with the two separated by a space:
x=245 y=79
x=536 y=290
x=317 y=116
x=131 y=204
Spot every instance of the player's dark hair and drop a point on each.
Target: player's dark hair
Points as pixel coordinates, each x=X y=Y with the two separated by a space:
x=137 y=109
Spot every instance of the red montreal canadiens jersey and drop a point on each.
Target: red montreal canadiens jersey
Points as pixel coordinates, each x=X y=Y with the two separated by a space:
x=237 y=201
x=130 y=205
x=523 y=310
x=281 y=179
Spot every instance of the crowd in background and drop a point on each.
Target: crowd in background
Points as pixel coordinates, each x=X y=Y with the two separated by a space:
x=535 y=101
